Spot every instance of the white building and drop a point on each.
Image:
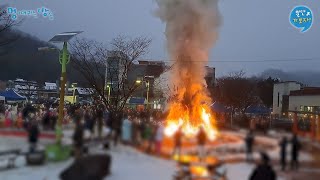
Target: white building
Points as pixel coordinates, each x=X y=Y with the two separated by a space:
x=281 y=92
x=24 y=87
x=115 y=68
x=50 y=86
x=305 y=100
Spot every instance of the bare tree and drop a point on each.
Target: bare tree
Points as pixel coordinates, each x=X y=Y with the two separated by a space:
x=6 y=23
x=236 y=91
x=107 y=71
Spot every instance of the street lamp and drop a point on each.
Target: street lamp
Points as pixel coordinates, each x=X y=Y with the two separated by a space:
x=147 y=82
x=64 y=58
x=109 y=91
x=148 y=88
x=73 y=85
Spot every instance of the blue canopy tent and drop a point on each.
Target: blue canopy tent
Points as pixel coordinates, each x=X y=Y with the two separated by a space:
x=11 y=95
x=136 y=103
x=135 y=100
x=258 y=109
x=219 y=108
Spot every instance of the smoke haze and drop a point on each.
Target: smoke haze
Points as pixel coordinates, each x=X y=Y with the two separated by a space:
x=191 y=31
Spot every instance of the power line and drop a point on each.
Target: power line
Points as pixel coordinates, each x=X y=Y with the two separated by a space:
x=250 y=61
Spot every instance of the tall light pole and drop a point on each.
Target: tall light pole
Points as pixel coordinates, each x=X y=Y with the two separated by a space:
x=147 y=80
x=74 y=92
x=109 y=92
x=148 y=88
x=64 y=58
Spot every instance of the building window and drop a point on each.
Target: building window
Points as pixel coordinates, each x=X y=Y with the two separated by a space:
x=309 y=108
x=278 y=99
x=301 y=108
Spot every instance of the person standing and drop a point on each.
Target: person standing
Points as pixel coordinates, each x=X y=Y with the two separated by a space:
x=249 y=140
x=78 y=137
x=99 y=115
x=8 y=118
x=283 y=153
x=264 y=170
x=33 y=132
x=177 y=142
x=46 y=120
x=295 y=152
x=159 y=138
x=126 y=131
x=89 y=121
x=20 y=120
x=202 y=138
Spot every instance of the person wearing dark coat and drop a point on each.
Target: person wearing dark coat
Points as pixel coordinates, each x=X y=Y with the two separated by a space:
x=78 y=137
x=46 y=120
x=283 y=153
x=33 y=133
x=25 y=115
x=249 y=140
x=295 y=152
x=89 y=121
x=264 y=170
x=117 y=124
x=99 y=115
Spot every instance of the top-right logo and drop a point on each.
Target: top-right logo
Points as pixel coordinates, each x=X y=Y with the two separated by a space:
x=301 y=17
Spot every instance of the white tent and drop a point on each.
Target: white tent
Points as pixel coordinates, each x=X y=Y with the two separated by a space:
x=2 y=98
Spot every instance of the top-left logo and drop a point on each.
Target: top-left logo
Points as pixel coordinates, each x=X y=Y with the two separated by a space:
x=42 y=11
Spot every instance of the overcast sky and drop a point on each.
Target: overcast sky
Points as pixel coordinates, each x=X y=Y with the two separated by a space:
x=252 y=30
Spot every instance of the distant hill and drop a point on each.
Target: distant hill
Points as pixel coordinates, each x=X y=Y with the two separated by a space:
x=21 y=59
x=309 y=78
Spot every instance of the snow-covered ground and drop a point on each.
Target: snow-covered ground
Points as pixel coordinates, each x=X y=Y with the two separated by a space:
x=127 y=164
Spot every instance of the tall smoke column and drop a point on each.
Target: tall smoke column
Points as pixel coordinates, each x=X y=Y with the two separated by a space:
x=191 y=31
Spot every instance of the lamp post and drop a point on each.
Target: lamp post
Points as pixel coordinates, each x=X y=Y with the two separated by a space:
x=57 y=152
x=74 y=92
x=109 y=92
x=148 y=88
x=64 y=58
x=147 y=82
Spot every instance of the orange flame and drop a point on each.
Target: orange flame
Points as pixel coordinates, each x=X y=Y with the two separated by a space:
x=191 y=118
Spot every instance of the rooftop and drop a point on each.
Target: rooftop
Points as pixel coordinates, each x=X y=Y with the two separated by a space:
x=308 y=91
x=285 y=82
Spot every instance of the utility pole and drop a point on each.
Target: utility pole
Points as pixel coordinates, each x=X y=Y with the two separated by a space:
x=63 y=79
x=56 y=152
x=148 y=88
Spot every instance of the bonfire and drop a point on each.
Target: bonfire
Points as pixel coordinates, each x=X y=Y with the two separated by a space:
x=191 y=31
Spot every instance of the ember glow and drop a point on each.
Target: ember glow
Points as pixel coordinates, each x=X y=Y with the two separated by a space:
x=191 y=30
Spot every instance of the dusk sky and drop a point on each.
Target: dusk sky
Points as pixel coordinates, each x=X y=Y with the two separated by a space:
x=252 y=30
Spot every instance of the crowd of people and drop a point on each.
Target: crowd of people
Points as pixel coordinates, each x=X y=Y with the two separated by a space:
x=141 y=129
x=15 y=115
